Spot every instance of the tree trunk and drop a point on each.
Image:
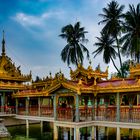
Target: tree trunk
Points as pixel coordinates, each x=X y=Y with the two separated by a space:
x=114 y=65
x=118 y=47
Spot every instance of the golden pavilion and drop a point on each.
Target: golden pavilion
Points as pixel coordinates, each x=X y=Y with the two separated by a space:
x=88 y=99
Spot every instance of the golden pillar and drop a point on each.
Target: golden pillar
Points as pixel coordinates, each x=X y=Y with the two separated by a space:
x=130 y=134
x=27 y=129
x=76 y=134
x=55 y=132
x=118 y=136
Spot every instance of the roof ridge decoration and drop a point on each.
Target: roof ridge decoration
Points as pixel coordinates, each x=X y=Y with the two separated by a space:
x=89 y=72
x=135 y=70
x=3 y=45
x=8 y=70
x=123 y=83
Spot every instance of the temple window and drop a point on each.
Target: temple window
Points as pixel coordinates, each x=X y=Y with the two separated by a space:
x=101 y=101
x=125 y=100
x=135 y=100
x=82 y=101
x=89 y=102
x=112 y=100
x=33 y=102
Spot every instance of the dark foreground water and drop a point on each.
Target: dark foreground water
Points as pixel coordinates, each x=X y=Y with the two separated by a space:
x=19 y=133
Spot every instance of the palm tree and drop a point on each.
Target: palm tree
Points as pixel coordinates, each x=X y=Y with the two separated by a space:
x=131 y=38
x=106 y=46
x=112 y=18
x=74 y=49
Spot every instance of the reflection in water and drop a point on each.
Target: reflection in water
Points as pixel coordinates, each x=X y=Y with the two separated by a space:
x=19 y=133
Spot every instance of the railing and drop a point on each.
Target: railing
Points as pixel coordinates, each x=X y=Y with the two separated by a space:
x=7 y=109
x=46 y=111
x=128 y=114
x=105 y=114
x=86 y=113
x=66 y=114
x=33 y=110
x=21 y=111
x=101 y=113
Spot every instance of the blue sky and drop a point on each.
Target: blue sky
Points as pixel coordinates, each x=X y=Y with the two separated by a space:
x=32 y=28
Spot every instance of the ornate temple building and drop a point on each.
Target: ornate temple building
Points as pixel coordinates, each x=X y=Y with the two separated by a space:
x=87 y=100
x=11 y=80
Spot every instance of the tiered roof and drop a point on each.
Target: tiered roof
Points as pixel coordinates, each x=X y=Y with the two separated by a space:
x=88 y=73
x=82 y=81
x=85 y=81
x=10 y=75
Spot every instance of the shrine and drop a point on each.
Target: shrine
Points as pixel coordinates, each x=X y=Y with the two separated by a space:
x=87 y=99
x=11 y=81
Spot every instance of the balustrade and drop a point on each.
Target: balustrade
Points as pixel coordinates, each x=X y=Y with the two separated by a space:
x=86 y=113
x=33 y=110
x=66 y=114
x=7 y=109
x=46 y=111
x=21 y=111
x=127 y=114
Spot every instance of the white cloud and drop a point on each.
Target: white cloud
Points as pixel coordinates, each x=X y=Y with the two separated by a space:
x=50 y=23
x=27 y=20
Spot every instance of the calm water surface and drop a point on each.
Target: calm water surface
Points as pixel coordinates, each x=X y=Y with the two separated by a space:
x=19 y=133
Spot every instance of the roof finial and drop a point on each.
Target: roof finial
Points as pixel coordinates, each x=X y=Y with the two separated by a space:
x=3 y=45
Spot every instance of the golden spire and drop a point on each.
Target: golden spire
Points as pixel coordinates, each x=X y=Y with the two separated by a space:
x=3 y=45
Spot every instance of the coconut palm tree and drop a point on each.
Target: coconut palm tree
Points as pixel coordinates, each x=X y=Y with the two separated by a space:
x=131 y=38
x=106 y=46
x=74 y=49
x=112 y=18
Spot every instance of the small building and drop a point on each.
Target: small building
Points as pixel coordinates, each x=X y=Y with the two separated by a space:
x=87 y=99
x=11 y=81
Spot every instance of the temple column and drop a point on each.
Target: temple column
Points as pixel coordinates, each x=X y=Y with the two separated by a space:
x=41 y=127
x=76 y=134
x=118 y=136
x=96 y=107
x=55 y=132
x=16 y=105
x=27 y=128
x=39 y=107
x=93 y=109
x=27 y=105
x=138 y=99
x=92 y=133
x=130 y=134
x=2 y=101
x=71 y=134
x=118 y=107
x=106 y=133
x=54 y=107
x=77 y=108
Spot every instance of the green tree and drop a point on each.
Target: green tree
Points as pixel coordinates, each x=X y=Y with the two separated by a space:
x=74 y=49
x=125 y=67
x=113 y=20
x=106 y=46
x=131 y=39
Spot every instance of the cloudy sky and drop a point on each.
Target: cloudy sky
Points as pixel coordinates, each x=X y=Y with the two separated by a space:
x=32 y=28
